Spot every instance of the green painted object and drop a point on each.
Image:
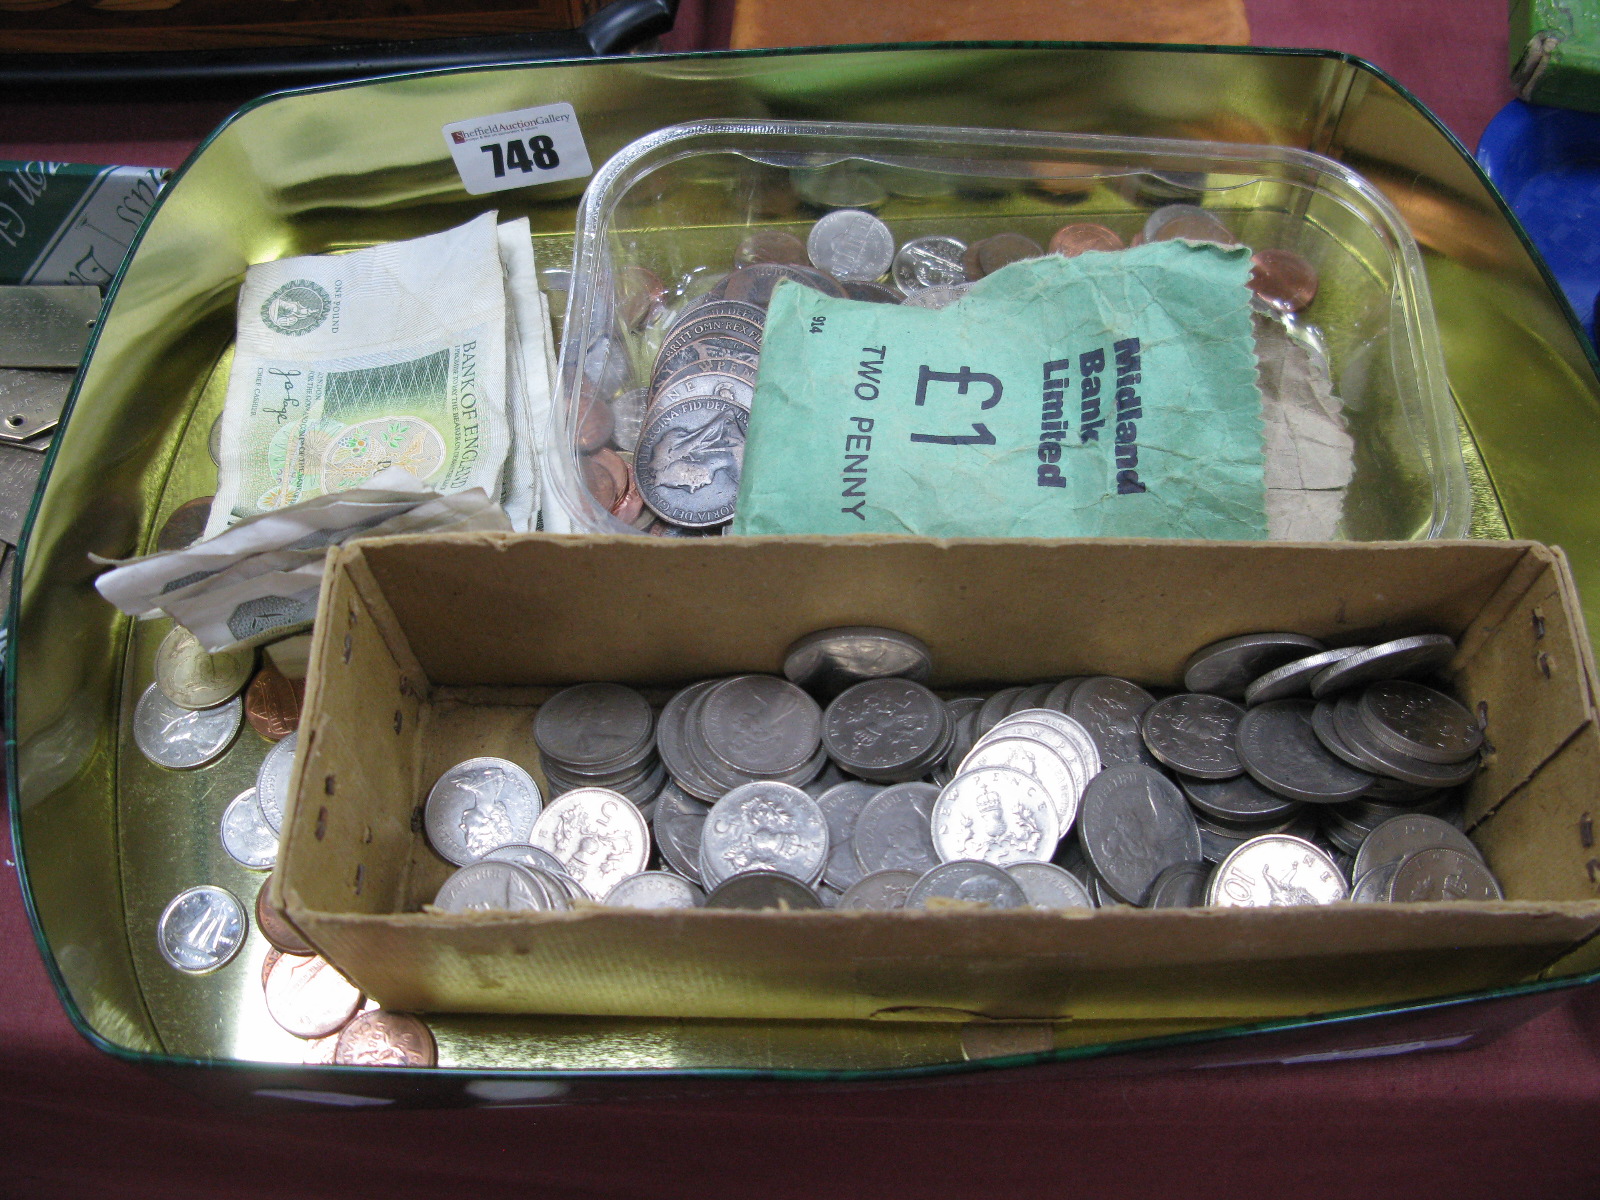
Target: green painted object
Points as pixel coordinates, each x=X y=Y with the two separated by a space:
x=1555 y=52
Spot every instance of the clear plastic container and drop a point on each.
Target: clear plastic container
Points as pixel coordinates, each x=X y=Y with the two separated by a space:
x=661 y=220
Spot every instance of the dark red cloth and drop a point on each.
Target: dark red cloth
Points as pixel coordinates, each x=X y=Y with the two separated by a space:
x=1517 y=1117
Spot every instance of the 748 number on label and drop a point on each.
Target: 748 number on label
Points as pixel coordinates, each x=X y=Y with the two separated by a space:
x=539 y=152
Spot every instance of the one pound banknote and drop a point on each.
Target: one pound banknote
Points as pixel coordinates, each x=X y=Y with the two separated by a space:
x=430 y=355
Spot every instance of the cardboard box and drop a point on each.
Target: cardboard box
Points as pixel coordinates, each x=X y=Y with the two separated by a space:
x=429 y=650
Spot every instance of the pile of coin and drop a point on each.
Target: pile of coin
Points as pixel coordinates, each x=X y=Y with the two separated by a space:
x=1085 y=791
x=188 y=719
x=667 y=456
x=600 y=735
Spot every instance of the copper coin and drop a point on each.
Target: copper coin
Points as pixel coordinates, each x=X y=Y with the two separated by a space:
x=631 y=503
x=872 y=293
x=706 y=349
x=1065 y=182
x=602 y=484
x=1073 y=240
x=271 y=957
x=1284 y=279
x=321 y=1051
x=386 y=1039
x=1001 y=250
x=185 y=525
x=639 y=293
x=275 y=927
x=754 y=284
x=272 y=704
x=1194 y=227
x=308 y=997
x=771 y=246
x=594 y=422
x=616 y=475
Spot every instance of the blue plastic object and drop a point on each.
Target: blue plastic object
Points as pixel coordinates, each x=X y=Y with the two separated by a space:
x=1546 y=162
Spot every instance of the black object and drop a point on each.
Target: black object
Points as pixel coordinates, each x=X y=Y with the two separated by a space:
x=251 y=71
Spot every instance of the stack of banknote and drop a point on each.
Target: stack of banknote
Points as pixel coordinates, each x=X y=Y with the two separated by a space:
x=432 y=354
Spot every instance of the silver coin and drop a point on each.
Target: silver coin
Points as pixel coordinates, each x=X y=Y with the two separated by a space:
x=764 y=826
x=539 y=860
x=1060 y=732
x=1419 y=721
x=1036 y=759
x=831 y=776
x=933 y=261
x=838 y=185
x=1282 y=752
x=1182 y=885
x=1293 y=679
x=678 y=822
x=830 y=660
x=1404 y=835
x=971 y=882
x=1324 y=724
x=246 y=836
x=1111 y=710
x=1402 y=658
x=627 y=417
x=895 y=830
x=1059 y=696
x=201 y=929
x=1441 y=873
x=884 y=891
x=841 y=805
x=192 y=678
x=597 y=835
x=493 y=886
x=1049 y=886
x=272 y=781
x=1228 y=667
x=1029 y=698
x=655 y=889
x=1193 y=733
x=1102 y=895
x=671 y=734
x=1238 y=799
x=689 y=460
x=992 y=710
x=1275 y=871
x=1373 y=887
x=214 y=442
x=851 y=245
x=995 y=815
x=1134 y=824
x=937 y=297
x=594 y=725
x=172 y=736
x=761 y=726
x=887 y=730
x=763 y=890
x=479 y=804
x=1418 y=772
